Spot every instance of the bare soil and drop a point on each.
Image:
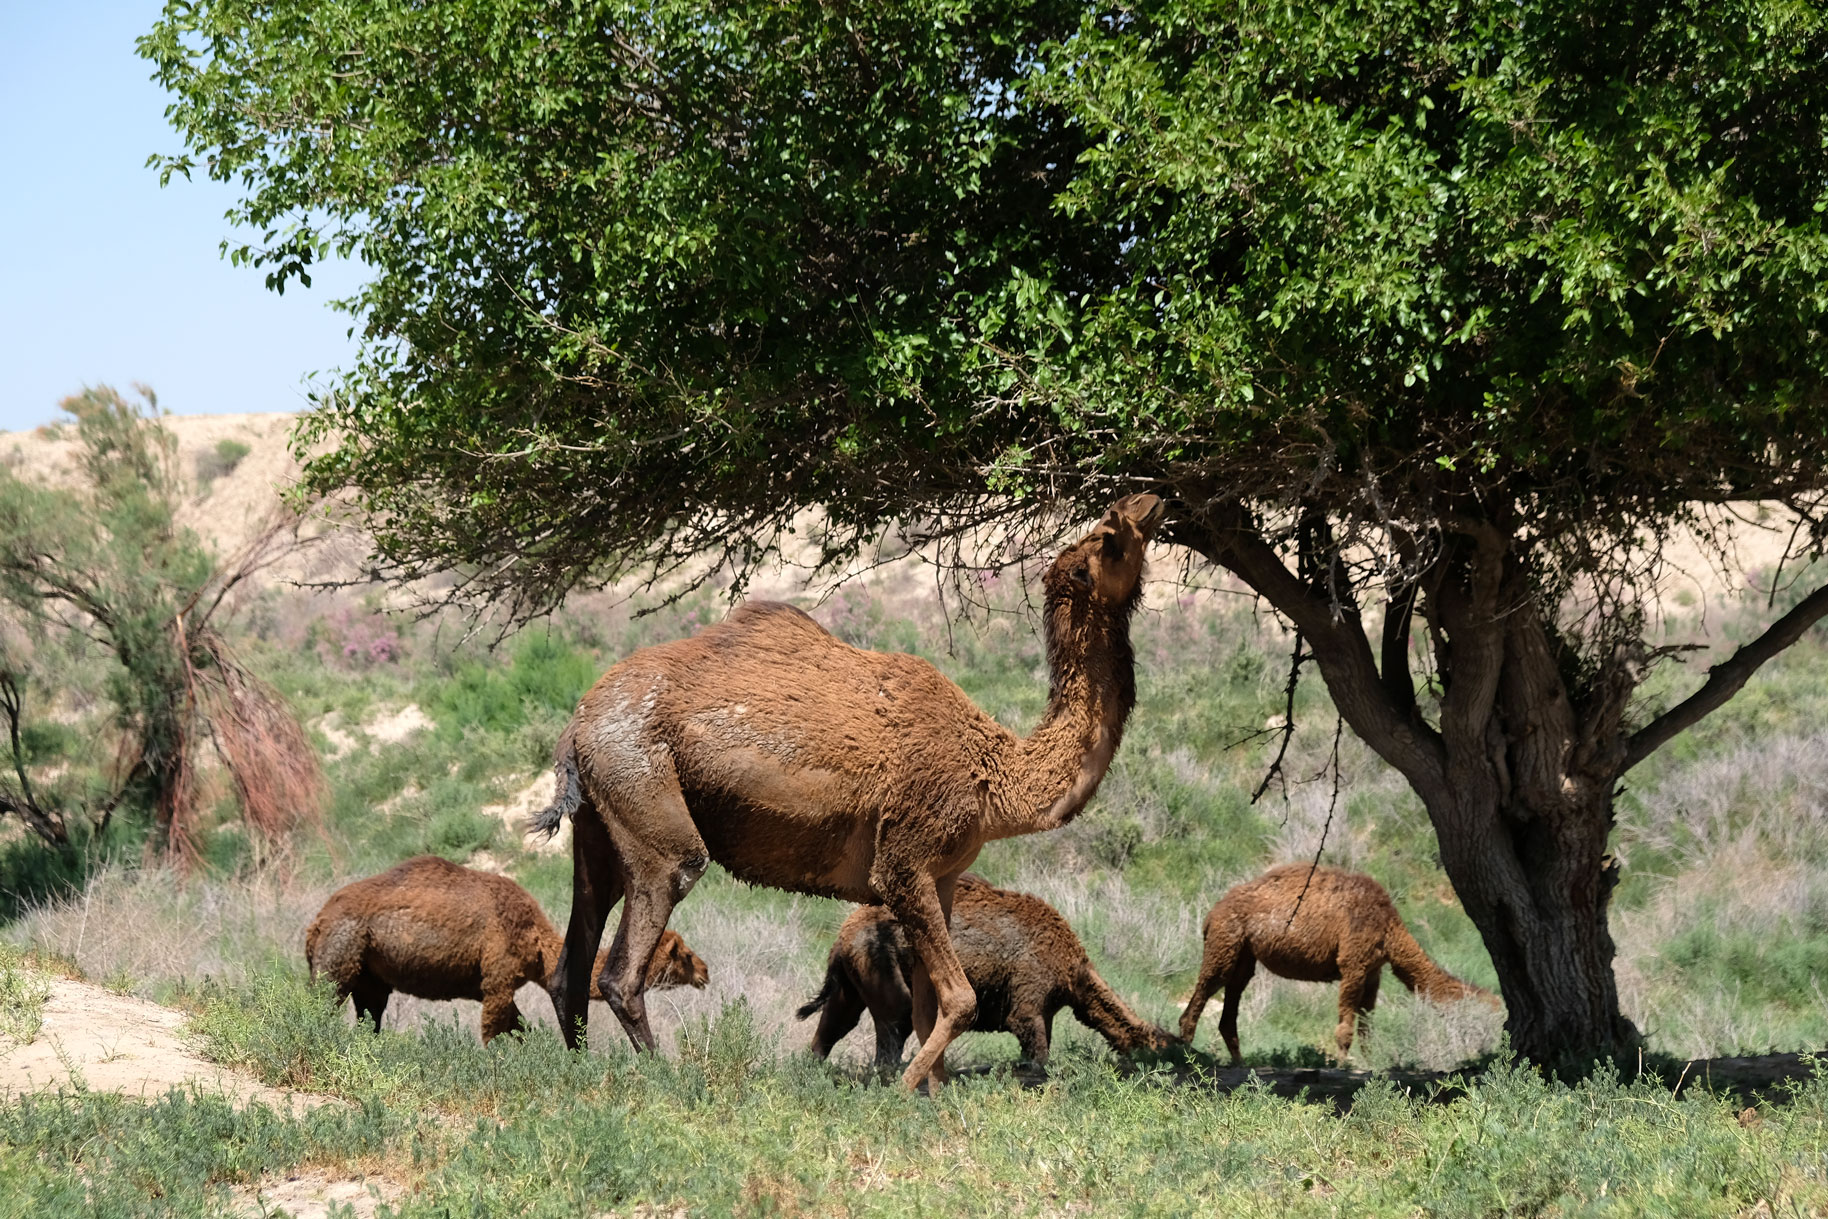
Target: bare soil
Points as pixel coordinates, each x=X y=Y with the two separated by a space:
x=104 y=1042
x=316 y=1194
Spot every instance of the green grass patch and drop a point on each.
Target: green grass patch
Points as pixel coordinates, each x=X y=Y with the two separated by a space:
x=523 y=1127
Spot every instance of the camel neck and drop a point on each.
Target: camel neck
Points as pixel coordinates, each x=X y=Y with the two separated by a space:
x=1092 y=687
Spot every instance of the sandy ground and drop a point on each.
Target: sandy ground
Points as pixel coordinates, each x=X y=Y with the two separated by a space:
x=313 y=1193
x=116 y=1043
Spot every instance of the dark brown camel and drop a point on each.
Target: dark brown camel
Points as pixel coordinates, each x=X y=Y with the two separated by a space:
x=1346 y=929
x=429 y=928
x=800 y=762
x=1021 y=958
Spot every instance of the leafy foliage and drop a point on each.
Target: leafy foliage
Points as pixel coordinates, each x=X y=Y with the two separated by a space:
x=663 y=274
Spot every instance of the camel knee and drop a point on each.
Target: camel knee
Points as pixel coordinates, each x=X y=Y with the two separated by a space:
x=627 y=1002
x=688 y=873
x=958 y=1008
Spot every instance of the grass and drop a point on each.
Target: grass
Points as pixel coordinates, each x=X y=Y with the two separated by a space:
x=23 y=991
x=524 y=1128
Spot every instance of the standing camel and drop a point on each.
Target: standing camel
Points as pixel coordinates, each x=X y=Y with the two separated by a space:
x=798 y=761
x=1345 y=929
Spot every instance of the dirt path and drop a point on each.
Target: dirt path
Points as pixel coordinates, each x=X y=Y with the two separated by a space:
x=116 y=1043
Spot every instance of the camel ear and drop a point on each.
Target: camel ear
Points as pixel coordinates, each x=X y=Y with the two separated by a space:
x=1082 y=576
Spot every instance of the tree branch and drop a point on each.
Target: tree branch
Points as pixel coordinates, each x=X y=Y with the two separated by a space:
x=1399 y=616
x=1726 y=678
x=1336 y=639
x=42 y=823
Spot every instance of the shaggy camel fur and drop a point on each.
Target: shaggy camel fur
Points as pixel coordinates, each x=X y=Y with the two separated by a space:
x=800 y=762
x=1020 y=956
x=430 y=928
x=1345 y=930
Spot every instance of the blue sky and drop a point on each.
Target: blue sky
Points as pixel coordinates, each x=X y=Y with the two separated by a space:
x=104 y=277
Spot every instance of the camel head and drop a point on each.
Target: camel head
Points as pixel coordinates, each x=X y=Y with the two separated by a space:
x=1106 y=565
x=673 y=964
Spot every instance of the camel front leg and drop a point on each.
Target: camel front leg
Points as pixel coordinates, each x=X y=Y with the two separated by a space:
x=1236 y=979
x=1357 y=996
x=500 y=1014
x=1034 y=1034
x=944 y=1003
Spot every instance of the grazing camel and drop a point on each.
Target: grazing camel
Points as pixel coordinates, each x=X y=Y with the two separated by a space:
x=429 y=928
x=800 y=762
x=1021 y=958
x=1345 y=930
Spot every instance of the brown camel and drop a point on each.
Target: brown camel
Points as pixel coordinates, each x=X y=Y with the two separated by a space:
x=1021 y=958
x=800 y=762
x=430 y=928
x=1345 y=930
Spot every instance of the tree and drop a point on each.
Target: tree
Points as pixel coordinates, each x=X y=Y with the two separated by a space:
x=1435 y=320
x=106 y=560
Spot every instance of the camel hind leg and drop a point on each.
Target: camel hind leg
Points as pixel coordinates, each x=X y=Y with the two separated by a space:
x=1225 y=953
x=596 y=887
x=842 y=1010
x=662 y=857
x=371 y=995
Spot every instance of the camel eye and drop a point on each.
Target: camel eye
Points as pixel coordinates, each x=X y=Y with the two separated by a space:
x=1111 y=544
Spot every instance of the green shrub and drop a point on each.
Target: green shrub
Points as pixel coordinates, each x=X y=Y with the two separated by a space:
x=220 y=461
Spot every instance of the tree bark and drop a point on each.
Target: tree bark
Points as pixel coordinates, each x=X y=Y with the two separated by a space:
x=1538 y=888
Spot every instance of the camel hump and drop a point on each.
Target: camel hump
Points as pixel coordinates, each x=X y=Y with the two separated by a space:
x=772 y=616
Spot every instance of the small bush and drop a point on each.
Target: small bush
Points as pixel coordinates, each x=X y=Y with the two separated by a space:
x=220 y=461
x=23 y=991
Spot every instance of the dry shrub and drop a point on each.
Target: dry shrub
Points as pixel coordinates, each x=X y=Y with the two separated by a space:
x=273 y=763
x=158 y=928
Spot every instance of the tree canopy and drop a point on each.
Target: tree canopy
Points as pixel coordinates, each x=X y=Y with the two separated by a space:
x=1443 y=313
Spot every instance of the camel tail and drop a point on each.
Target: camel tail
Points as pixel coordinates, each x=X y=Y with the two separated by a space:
x=569 y=794
x=1418 y=971
x=818 y=1001
x=1098 y=1008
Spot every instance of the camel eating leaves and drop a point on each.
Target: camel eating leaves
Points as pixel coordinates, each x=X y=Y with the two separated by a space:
x=800 y=762
x=1313 y=924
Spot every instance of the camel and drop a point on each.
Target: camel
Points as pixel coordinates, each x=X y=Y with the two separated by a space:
x=429 y=928
x=1345 y=930
x=797 y=761
x=1021 y=958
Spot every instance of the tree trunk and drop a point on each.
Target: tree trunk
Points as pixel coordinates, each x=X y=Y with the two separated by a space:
x=1539 y=895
